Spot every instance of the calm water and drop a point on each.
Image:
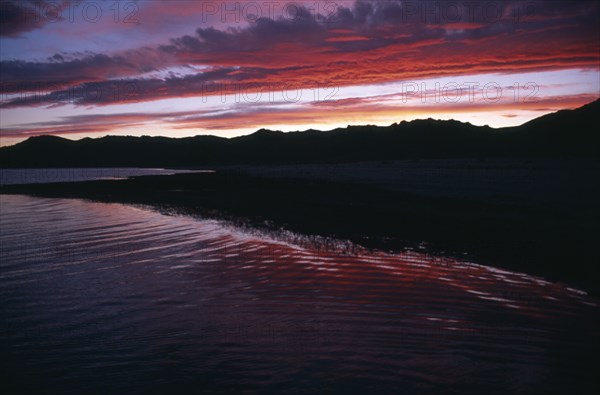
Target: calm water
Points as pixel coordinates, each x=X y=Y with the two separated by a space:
x=35 y=176
x=110 y=298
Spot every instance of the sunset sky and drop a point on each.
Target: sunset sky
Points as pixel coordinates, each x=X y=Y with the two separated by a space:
x=182 y=68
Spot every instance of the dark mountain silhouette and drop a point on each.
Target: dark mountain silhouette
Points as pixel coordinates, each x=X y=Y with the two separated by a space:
x=564 y=133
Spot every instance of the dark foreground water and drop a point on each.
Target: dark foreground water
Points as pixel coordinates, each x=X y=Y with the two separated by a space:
x=114 y=299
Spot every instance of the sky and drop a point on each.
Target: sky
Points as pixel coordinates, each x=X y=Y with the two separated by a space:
x=181 y=68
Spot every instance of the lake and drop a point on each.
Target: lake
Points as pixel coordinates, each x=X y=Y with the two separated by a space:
x=46 y=175
x=110 y=298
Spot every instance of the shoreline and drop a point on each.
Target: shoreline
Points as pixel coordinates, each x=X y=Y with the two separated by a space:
x=556 y=243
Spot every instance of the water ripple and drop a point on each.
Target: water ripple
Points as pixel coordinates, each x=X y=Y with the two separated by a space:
x=123 y=299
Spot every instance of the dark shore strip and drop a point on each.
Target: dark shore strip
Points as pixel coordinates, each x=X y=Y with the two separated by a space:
x=559 y=244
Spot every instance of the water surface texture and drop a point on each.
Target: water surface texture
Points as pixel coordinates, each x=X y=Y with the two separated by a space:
x=110 y=298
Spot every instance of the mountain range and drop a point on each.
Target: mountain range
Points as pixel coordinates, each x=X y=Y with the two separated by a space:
x=564 y=133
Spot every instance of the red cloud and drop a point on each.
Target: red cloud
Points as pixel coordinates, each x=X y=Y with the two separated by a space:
x=367 y=44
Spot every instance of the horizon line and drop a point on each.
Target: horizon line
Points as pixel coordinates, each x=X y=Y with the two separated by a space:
x=304 y=130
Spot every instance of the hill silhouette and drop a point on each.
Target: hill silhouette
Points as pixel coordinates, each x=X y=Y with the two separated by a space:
x=564 y=133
